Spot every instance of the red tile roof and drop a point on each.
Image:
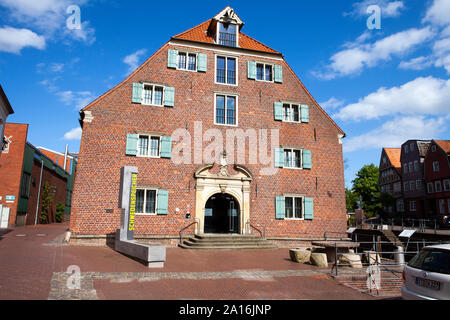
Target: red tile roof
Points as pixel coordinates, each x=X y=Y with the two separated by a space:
x=444 y=144
x=200 y=34
x=394 y=156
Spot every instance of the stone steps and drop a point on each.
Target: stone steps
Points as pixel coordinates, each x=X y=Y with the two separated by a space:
x=226 y=242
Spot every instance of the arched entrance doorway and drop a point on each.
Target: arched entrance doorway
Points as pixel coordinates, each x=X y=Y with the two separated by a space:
x=222 y=214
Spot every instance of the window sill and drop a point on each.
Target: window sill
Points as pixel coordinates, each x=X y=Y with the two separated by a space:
x=145 y=214
x=225 y=125
x=151 y=157
x=152 y=105
x=226 y=84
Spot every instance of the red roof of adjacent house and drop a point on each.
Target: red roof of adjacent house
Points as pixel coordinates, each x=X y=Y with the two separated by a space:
x=444 y=144
x=200 y=34
x=394 y=156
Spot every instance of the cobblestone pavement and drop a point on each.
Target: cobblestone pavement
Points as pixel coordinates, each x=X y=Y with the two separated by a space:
x=33 y=266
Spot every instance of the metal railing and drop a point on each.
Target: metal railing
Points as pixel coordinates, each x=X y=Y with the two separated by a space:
x=341 y=235
x=197 y=221
x=421 y=224
x=250 y=224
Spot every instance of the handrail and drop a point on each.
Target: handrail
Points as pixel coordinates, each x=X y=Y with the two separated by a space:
x=263 y=234
x=184 y=228
x=335 y=232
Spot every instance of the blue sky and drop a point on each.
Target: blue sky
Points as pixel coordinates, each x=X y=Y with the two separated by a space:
x=382 y=86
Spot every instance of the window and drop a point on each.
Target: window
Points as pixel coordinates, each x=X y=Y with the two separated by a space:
x=416 y=165
x=435 y=166
x=419 y=184
x=406 y=148
x=447 y=185
x=400 y=205
x=397 y=187
x=152 y=95
x=411 y=146
x=291 y=112
x=412 y=206
x=293 y=207
x=226 y=70
x=148 y=146
x=25 y=185
x=431 y=260
x=405 y=168
x=430 y=187
x=411 y=185
x=227 y=34
x=406 y=186
x=292 y=158
x=438 y=186
x=264 y=72
x=383 y=189
x=442 y=206
x=187 y=61
x=448 y=205
x=384 y=159
x=145 y=201
x=411 y=167
x=433 y=148
x=226 y=110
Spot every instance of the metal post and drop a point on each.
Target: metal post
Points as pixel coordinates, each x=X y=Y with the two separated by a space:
x=336 y=257
x=39 y=193
x=376 y=251
x=356 y=240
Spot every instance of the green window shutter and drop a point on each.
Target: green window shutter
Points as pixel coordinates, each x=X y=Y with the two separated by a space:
x=162 y=207
x=309 y=208
x=279 y=158
x=132 y=142
x=251 y=70
x=172 y=59
x=278 y=111
x=166 y=147
x=169 y=96
x=136 y=97
x=304 y=113
x=278 y=74
x=279 y=208
x=202 y=62
x=307 y=163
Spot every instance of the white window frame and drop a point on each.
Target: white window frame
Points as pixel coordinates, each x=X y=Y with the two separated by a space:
x=149 y=136
x=418 y=184
x=291 y=111
x=145 y=201
x=217 y=40
x=293 y=196
x=446 y=183
x=226 y=69
x=153 y=94
x=412 y=206
x=436 y=184
x=236 y=108
x=301 y=158
x=187 y=53
x=436 y=167
x=264 y=71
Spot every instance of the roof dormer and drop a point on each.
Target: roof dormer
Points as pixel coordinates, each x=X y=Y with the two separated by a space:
x=225 y=28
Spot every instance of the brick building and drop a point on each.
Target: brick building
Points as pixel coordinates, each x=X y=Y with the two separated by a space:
x=390 y=181
x=5 y=111
x=24 y=170
x=168 y=119
x=437 y=177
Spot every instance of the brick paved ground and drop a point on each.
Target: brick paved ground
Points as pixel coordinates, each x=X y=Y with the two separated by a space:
x=32 y=266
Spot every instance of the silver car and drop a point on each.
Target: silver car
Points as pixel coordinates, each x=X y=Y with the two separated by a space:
x=427 y=275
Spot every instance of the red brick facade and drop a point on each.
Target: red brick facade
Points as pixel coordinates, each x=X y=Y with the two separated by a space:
x=103 y=144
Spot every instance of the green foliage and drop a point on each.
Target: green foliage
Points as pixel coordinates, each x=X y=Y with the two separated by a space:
x=46 y=203
x=366 y=185
x=60 y=208
x=351 y=221
x=351 y=199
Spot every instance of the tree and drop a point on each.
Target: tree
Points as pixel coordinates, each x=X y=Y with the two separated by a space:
x=60 y=211
x=47 y=201
x=351 y=199
x=366 y=185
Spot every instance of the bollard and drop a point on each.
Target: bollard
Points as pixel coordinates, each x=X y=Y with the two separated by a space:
x=400 y=256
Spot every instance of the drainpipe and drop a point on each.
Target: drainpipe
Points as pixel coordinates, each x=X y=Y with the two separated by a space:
x=65 y=156
x=39 y=193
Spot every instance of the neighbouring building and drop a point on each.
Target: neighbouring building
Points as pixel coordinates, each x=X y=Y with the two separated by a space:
x=414 y=193
x=5 y=111
x=390 y=181
x=27 y=177
x=437 y=177
x=168 y=119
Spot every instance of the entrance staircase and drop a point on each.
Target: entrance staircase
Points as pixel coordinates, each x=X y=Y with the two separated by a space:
x=392 y=238
x=226 y=242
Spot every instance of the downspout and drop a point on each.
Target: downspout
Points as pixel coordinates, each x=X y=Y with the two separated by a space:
x=39 y=193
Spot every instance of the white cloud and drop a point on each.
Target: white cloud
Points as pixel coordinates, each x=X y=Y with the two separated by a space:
x=74 y=134
x=388 y=8
x=49 y=17
x=418 y=63
x=332 y=103
x=422 y=96
x=438 y=13
x=395 y=132
x=359 y=56
x=132 y=60
x=14 y=40
x=441 y=50
x=78 y=99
